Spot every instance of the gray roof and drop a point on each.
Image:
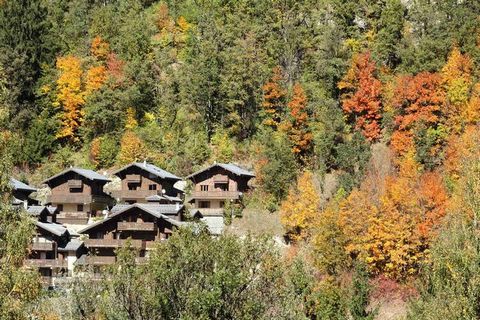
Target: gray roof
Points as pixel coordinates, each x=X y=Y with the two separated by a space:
x=87 y=173
x=18 y=185
x=157 y=210
x=54 y=228
x=227 y=166
x=153 y=169
x=72 y=245
x=37 y=210
x=215 y=225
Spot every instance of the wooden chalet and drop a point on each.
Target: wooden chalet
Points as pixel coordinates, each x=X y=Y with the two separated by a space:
x=53 y=251
x=143 y=224
x=217 y=184
x=78 y=194
x=21 y=193
x=145 y=182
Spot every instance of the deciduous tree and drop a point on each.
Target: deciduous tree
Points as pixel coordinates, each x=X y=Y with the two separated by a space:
x=361 y=98
x=301 y=207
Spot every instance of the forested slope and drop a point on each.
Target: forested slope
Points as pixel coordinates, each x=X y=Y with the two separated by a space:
x=371 y=106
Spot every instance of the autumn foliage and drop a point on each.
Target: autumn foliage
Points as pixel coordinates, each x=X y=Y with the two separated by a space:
x=302 y=205
x=391 y=232
x=132 y=148
x=417 y=100
x=274 y=99
x=298 y=127
x=361 y=98
x=70 y=95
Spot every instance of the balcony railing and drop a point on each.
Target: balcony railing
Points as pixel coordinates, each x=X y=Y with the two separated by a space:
x=113 y=243
x=215 y=194
x=211 y=211
x=133 y=178
x=46 y=263
x=100 y=260
x=75 y=184
x=77 y=198
x=136 y=226
x=220 y=178
x=43 y=246
x=135 y=194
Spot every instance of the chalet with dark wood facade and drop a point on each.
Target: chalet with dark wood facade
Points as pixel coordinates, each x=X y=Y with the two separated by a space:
x=145 y=182
x=143 y=224
x=217 y=184
x=78 y=194
x=53 y=252
x=21 y=193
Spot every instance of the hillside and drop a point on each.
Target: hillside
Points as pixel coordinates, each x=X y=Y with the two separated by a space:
x=359 y=119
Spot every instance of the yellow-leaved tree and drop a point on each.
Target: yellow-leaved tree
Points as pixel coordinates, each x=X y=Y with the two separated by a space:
x=302 y=205
x=132 y=148
x=457 y=82
x=70 y=96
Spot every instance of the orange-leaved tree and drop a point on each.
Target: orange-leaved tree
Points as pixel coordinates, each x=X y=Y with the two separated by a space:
x=361 y=96
x=297 y=128
x=302 y=205
x=70 y=96
x=391 y=231
x=417 y=99
x=274 y=99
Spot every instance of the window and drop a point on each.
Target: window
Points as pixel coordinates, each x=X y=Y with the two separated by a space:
x=222 y=204
x=204 y=187
x=204 y=204
x=79 y=207
x=152 y=187
x=132 y=186
x=60 y=207
x=221 y=186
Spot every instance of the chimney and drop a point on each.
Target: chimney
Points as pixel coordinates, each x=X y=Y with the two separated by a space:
x=144 y=163
x=177 y=206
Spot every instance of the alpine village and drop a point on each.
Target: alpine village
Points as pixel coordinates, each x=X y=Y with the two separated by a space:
x=239 y=159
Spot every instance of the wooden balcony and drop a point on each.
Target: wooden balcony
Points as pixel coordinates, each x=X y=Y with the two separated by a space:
x=136 y=226
x=78 y=198
x=75 y=184
x=135 y=194
x=133 y=178
x=211 y=211
x=113 y=243
x=220 y=178
x=43 y=246
x=46 y=263
x=100 y=260
x=215 y=195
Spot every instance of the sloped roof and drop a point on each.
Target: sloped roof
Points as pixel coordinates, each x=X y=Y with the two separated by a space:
x=150 y=168
x=72 y=245
x=37 y=210
x=54 y=228
x=157 y=210
x=18 y=185
x=215 y=225
x=227 y=166
x=86 y=173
